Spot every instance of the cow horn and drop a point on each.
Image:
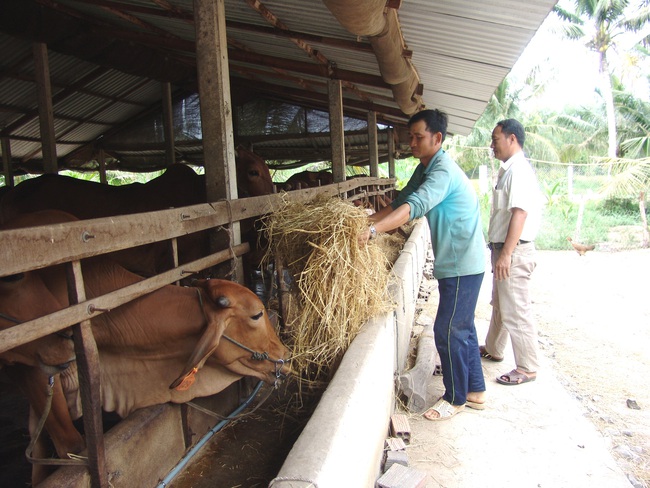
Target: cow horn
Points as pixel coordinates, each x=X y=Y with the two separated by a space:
x=223 y=301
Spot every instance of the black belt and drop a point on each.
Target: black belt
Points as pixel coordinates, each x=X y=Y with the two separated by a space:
x=499 y=245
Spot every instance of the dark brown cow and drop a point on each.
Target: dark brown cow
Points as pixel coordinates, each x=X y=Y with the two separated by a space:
x=307 y=179
x=178 y=186
x=172 y=336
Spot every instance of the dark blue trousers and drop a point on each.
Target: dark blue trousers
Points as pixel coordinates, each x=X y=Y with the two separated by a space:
x=456 y=340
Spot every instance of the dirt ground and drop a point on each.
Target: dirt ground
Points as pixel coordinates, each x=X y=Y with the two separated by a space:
x=593 y=315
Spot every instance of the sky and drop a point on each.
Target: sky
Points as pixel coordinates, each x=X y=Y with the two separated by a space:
x=569 y=69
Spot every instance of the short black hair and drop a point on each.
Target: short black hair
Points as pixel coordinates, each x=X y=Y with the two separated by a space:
x=513 y=126
x=436 y=121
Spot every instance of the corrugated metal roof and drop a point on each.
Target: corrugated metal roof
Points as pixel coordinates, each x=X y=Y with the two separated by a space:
x=107 y=58
x=464 y=49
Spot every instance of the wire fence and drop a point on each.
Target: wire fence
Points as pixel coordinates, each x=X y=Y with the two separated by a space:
x=576 y=206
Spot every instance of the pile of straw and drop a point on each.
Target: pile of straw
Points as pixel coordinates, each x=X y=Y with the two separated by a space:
x=337 y=283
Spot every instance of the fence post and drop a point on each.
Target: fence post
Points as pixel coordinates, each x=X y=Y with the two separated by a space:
x=570 y=181
x=483 y=179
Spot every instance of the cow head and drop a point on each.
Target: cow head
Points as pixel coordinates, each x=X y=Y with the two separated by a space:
x=249 y=346
x=27 y=296
x=24 y=297
x=253 y=175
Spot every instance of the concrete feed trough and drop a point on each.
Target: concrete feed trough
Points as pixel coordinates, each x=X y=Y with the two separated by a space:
x=342 y=443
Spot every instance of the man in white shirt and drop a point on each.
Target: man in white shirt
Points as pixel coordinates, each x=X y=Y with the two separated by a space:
x=514 y=223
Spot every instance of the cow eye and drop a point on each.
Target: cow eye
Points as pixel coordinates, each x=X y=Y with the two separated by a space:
x=253 y=172
x=257 y=316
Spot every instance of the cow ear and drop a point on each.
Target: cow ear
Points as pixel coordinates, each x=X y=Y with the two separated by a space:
x=204 y=348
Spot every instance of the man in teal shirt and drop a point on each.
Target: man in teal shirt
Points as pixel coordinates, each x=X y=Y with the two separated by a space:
x=439 y=190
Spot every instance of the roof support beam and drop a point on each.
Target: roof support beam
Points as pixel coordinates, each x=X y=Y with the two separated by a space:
x=373 y=153
x=316 y=100
x=337 y=132
x=216 y=113
x=168 y=123
x=45 y=112
x=307 y=68
x=6 y=162
x=391 y=153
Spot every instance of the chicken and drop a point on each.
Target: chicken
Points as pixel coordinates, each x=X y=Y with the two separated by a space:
x=581 y=248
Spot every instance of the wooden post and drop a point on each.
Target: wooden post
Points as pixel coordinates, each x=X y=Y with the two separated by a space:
x=45 y=111
x=102 y=167
x=645 y=241
x=337 y=134
x=168 y=124
x=89 y=382
x=216 y=112
x=6 y=163
x=373 y=151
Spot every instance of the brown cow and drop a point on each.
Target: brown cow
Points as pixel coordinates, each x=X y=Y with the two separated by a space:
x=146 y=345
x=253 y=175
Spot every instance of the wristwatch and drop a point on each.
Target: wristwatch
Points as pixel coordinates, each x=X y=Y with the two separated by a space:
x=373 y=231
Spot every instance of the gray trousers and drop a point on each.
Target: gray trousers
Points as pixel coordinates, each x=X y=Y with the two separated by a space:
x=512 y=312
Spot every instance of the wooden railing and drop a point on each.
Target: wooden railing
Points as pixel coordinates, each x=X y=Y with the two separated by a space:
x=26 y=249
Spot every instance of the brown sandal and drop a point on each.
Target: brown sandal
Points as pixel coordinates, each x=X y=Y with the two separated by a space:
x=514 y=377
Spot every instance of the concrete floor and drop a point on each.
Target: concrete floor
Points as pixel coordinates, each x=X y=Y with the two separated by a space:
x=532 y=435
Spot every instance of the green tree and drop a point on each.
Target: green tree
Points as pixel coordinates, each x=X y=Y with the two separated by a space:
x=473 y=150
x=632 y=173
x=541 y=128
x=608 y=19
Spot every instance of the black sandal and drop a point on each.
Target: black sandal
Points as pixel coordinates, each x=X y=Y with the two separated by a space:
x=487 y=355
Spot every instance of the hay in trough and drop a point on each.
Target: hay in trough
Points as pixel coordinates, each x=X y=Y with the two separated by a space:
x=337 y=284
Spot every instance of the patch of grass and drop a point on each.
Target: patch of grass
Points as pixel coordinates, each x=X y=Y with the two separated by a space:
x=561 y=215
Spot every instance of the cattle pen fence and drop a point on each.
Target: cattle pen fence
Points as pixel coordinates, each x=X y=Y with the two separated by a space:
x=26 y=249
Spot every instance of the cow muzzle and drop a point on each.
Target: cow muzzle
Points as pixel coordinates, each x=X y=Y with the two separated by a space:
x=281 y=369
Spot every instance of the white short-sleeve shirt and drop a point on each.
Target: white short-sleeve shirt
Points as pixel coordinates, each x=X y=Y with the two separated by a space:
x=517 y=187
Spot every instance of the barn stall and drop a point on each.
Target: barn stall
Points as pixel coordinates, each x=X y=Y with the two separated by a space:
x=140 y=85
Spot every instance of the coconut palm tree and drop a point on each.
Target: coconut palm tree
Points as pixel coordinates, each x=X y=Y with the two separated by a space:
x=473 y=150
x=632 y=175
x=608 y=20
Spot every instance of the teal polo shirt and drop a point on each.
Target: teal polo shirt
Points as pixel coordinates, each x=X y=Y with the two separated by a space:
x=443 y=193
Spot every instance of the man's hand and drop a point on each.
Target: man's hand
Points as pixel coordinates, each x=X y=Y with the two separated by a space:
x=502 y=266
x=364 y=237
